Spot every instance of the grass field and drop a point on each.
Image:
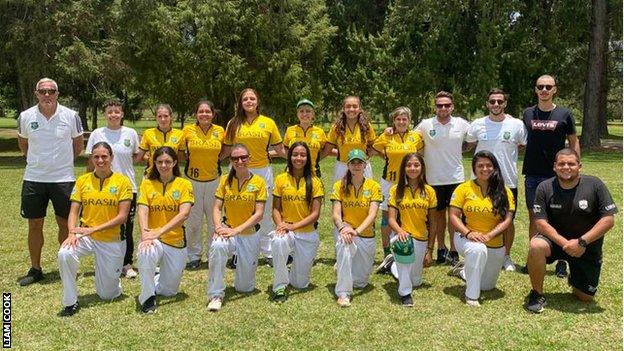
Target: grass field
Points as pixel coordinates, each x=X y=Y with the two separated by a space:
x=310 y=319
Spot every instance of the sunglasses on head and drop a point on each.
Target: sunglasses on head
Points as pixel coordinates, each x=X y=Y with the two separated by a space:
x=496 y=102
x=46 y=91
x=544 y=86
x=239 y=158
x=444 y=105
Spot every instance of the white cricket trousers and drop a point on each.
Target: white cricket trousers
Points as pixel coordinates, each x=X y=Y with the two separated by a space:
x=303 y=246
x=266 y=224
x=410 y=275
x=340 y=169
x=171 y=261
x=246 y=248
x=482 y=265
x=108 y=262
x=354 y=264
x=204 y=193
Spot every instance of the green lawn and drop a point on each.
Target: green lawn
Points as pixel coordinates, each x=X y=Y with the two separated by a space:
x=311 y=319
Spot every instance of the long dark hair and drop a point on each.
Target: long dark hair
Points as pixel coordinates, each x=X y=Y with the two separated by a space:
x=153 y=173
x=496 y=184
x=239 y=115
x=421 y=180
x=307 y=168
x=232 y=173
x=341 y=122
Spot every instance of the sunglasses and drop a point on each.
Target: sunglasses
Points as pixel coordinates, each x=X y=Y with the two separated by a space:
x=548 y=87
x=243 y=158
x=496 y=102
x=444 y=105
x=46 y=91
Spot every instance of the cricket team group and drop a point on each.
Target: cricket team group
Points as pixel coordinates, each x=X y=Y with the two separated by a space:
x=250 y=213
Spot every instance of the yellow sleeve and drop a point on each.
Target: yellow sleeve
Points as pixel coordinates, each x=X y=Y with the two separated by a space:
x=510 y=197
x=228 y=141
x=336 y=193
x=380 y=143
x=143 y=190
x=181 y=142
x=220 y=193
x=459 y=196
x=76 y=195
x=276 y=138
x=333 y=136
x=376 y=192
x=322 y=137
x=125 y=189
x=419 y=141
x=277 y=189
x=186 y=190
x=145 y=145
x=317 y=188
x=370 y=135
x=287 y=137
x=392 y=197
x=431 y=196
x=261 y=195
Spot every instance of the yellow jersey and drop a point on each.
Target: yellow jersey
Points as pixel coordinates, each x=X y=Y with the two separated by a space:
x=355 y=206
x=395 y=147
x=292 y=193
x=313 y=136
x=163 y=201
x=100 y=200
x=154 y=138
x=352 y=140
x=258 y=135
x=203 y=152
x=414 y=209
x=239 y=202
x=478 y=209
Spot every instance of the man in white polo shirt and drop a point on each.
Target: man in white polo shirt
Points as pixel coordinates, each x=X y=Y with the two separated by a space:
x=444 y=136
x=50 y=136
x=501 y=134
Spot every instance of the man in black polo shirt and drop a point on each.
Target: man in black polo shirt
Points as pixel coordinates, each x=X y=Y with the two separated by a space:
x=572 y=214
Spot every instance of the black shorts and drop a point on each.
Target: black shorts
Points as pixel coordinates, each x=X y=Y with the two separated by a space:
x=584 y=271
x=443 y=195
x=36 y=195
x=514 y=191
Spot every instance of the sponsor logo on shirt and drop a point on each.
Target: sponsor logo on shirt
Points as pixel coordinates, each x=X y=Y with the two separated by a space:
x=556 y=206
x=174 y=139
x=583 y=204
x=215 y=134
x=366 y=193
x=543 y=125
x=34 y=125
x=251 y=188
x=262 y=125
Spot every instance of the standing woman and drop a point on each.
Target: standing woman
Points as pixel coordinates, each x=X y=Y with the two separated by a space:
x=297 y=199
x=203 y=141
x=165 y=201
x=393 y=147
x=487 y=206
x=240 y=201
x=260 y=135
x=163 y=135
x=350 y=131
x=412 y=202
x=355 y=201
x=100 y=204
x=305 y=131
x=124 y=142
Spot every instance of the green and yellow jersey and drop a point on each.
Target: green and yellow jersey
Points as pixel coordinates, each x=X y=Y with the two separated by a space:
x=258 y=135
x=414 y=209
x=239 y=201
x=203 y=152
x=292 y=193
x=355 y=206
x=154 y=138
x=313 y=136
x=352 y=139
x=395 y=147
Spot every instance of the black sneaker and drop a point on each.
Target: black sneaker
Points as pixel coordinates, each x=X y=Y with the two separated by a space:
x=441 y=256
x=280 y=295
x=231 y=263
x=269 y=261
x=194 y=264
x=149 y=306
x=535 y=302
x=69 y=310
x=289 y=260
x=561 y=269
x=524 y=269
x=34 y=275
x=384 y=266
x=406 y=301
x=452 y=257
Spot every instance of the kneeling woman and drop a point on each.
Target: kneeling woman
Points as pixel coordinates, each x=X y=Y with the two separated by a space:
x=165 y=201
x=100 y=205
x=413 y=201
x=239 y=203
x=297 y=198
x=355 y=203
x=487 y=205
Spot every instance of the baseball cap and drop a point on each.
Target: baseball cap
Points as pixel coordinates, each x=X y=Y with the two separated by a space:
x=305 y=102
x=356 y=154
x=404 y=251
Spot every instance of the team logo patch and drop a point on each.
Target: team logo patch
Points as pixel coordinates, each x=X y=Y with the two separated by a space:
x=174 y=140
x=127 y=142
x=315 y=136
x=175 y=194
x=34 y=125
x=251 y=188
x=583 y=204
x=537 y=209
x=153 y=195
x=471 y=196
x=366 y=193
x=432 y=132
x=507 y=135
x=262 y=125
x=411 y=139
x=215 y=134
x=112 y=190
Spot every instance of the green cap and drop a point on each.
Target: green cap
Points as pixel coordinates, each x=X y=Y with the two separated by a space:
x=305 y=102
x=356 y=154
x=404 y=251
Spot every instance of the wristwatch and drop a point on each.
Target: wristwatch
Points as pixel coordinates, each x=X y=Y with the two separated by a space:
x=582 y=242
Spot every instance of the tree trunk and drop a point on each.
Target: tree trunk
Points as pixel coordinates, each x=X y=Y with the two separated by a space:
x=594 y=99
x=94 y=124
x=82 y=112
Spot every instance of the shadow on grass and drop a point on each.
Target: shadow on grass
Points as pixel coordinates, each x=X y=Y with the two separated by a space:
x=331 y=288
x=290 y=291
x=459 y=291
x=325 y=261
x=92 y=300
x=568 y=303
x=392 y=287
x=232 y=295
x=163 y=300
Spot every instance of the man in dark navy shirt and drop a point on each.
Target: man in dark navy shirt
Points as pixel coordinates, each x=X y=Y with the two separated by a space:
x=572 y=213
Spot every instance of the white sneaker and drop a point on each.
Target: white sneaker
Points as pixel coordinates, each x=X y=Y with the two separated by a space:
x=458 y=271
x=129 y=272
x=472 y=303
x=508 y=264
x=215 y=304
x=344 y=301
x=384 y=266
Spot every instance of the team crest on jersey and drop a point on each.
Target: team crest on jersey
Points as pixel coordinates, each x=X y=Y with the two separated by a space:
x=127 y=142
x=471 y=196
x=153 y=195
x=34 y=125
x=112 y=190
x=366 y=193
x=215 y=134
x=315 y=136
x=432 y=132
x=583 y=204
x=411 y=139
x=174 y=140
x=251 y=188
x=175 y=194
x=262 y=125
x=507 y=135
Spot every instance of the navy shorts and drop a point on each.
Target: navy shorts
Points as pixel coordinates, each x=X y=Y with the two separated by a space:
x=36 y=195
x=530 y=186
x=443 y=194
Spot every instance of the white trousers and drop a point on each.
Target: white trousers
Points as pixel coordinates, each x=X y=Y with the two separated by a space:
x=108 y=262
x=410 y=275
x=303 y=246
x=354 y=264
x=482 y=265
x=204 y=193
x=266 y=224
x=246 y=248
x=340 y=169
x=171 y=261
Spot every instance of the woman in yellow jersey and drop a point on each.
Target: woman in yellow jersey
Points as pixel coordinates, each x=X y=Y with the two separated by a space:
x=260 y=135
x=313 y=136
x=350 y=131
x=203 y=141
x=410 y=211
x=100 y=205
x=238 y=208
x=355 y=201
x=163 y=135
x=165 y=201
x=392 y=147
x=297 y=198
x=487 y=205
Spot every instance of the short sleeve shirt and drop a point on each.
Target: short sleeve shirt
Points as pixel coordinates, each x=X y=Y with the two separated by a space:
x=239 y=201
x=100 y=200
x=356 y=204
x=395 y=147
x=292 y=194
x=154 y=138
x=352 y=139
x=413 y=209
x=313 y=136
x=203 y=152
x=257 y=136
x=125 y=144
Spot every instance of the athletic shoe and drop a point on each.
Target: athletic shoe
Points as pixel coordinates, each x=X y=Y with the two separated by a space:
x=535 y=302
x=69 y=310
x=442 y=253
x=561 y=270
x=384 y=266
x=406 y=301
x=194 y=264
x=458 y=271
x=344 y=301
x=508 y=264
x=215 y=304
x=472 y=303
x=129 y=272
x=524 y=269
x=289 y=260
x=231 y=263
x=149 y=306
x=269 y=261
x=280 y=295
x=34 y=275
x=452 y=258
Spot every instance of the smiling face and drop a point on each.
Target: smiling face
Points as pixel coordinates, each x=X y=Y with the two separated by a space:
x=545 y=88
x=305 y=113
x=204 y=115
x=163 y=118
x=496 y=104
x=299 y=157
x=113 y=115
x=164 y=165
x=413 y=168
x=444 y=107
x=47 y=94
x=239 y=159
x=351 y=108
x=567 y=168
x=401 y=123
x=357 y=167
x=102 y=159
x=483 y=168
x=249 y=102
